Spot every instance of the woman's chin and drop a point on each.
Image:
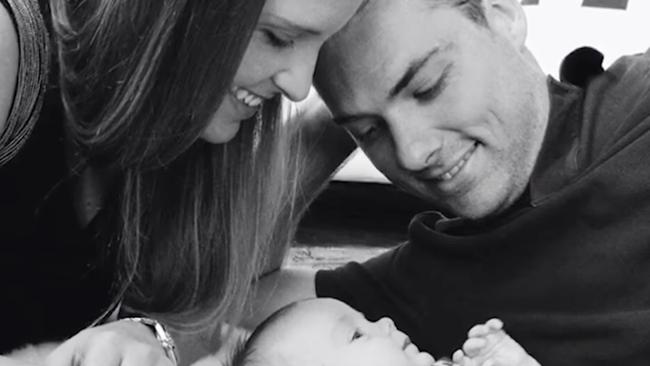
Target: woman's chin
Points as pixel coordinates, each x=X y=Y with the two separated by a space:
x=220 y=133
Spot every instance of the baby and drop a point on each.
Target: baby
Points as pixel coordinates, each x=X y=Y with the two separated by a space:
x=327 y=332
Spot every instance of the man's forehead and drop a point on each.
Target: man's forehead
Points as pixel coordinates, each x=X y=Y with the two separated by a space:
x=373 y=51
x=349 y=76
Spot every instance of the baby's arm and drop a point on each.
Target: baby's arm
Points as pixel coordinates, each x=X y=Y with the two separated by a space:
x=489 y=345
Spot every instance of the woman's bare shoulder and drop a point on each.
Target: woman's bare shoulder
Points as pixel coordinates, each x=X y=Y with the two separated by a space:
x=8 y=64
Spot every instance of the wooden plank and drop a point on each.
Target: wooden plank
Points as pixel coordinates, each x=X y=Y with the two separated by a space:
x=325 y=257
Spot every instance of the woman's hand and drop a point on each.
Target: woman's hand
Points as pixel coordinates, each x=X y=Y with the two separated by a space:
x=120 y=343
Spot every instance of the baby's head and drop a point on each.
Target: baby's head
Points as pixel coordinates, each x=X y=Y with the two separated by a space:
x=327 y=332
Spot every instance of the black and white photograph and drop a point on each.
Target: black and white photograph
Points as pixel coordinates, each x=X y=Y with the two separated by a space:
x=324 y=182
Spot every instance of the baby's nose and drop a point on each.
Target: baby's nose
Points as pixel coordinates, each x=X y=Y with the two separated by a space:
x=386 y=325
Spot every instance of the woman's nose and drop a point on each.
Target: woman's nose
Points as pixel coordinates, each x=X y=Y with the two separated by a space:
x=296 y=79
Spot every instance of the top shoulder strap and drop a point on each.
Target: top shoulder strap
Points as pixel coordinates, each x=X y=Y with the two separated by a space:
x=33 y=70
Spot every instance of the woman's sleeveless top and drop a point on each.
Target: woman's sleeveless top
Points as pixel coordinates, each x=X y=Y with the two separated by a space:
x=54 y=280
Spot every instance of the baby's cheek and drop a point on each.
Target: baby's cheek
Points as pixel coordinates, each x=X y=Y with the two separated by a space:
x=424 y=359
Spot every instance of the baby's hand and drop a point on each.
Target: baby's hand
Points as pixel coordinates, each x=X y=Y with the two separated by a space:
x=489 y=345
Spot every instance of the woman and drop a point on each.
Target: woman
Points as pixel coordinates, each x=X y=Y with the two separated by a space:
x=148 y=195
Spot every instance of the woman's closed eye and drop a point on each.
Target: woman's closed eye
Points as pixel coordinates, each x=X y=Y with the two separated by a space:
x=275 y=40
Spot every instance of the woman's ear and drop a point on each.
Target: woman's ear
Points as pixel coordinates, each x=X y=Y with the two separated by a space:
x=508 y=18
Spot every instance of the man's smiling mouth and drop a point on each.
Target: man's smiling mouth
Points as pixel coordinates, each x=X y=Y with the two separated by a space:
x=453 y=171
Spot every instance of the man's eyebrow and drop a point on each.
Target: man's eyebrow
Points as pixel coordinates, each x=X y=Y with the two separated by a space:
x=411 y=71
x=288 y=25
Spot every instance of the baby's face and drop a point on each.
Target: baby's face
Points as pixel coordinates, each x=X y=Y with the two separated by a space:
x=328 y=332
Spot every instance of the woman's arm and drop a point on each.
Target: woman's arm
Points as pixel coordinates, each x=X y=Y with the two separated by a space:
x=323 y=148
x=34 y=355
x=118 y=343
x=123 y=343
x=324 y=145
x=6 y=361
x=8 y=64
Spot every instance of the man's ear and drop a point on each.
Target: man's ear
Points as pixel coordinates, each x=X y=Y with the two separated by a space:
x=508 y=18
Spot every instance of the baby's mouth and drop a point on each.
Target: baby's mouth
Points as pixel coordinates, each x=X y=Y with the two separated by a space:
x=409 y=347
x=406 y=343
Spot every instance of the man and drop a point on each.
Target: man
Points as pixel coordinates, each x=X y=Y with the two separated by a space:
x=548 y=182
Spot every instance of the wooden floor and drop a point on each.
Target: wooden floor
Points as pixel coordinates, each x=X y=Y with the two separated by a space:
x=318 y=257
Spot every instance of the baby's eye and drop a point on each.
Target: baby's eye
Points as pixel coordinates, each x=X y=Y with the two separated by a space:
x=356 y=335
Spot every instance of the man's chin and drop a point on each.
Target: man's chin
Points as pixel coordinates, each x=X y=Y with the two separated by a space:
x=474 y=209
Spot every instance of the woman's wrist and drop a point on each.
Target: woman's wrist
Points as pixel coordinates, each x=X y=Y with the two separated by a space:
x=162 y=335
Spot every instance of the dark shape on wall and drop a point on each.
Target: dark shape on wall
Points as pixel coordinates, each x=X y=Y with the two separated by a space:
x=581 y=65
x=610 y=4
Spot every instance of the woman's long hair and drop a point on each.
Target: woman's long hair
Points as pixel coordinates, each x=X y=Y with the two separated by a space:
x=140 y=81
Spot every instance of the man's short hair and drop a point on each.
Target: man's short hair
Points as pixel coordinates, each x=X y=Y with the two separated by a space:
x=473 y=9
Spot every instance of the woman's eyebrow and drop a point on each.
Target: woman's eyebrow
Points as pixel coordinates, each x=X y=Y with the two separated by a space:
x=350 y=118
x=288 y=25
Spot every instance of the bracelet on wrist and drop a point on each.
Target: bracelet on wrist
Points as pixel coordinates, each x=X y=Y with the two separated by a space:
x=165 y=339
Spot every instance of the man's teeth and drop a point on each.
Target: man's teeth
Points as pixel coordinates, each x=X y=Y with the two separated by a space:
x=247 y=97
x=453 y=171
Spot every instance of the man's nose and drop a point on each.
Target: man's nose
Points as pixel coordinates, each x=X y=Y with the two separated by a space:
x=417 y=144
x=296 y=78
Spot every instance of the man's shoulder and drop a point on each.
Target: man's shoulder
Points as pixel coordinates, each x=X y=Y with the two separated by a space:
x=617 y=103
x=641 y=59
x=627 y=81
x=632 y=71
